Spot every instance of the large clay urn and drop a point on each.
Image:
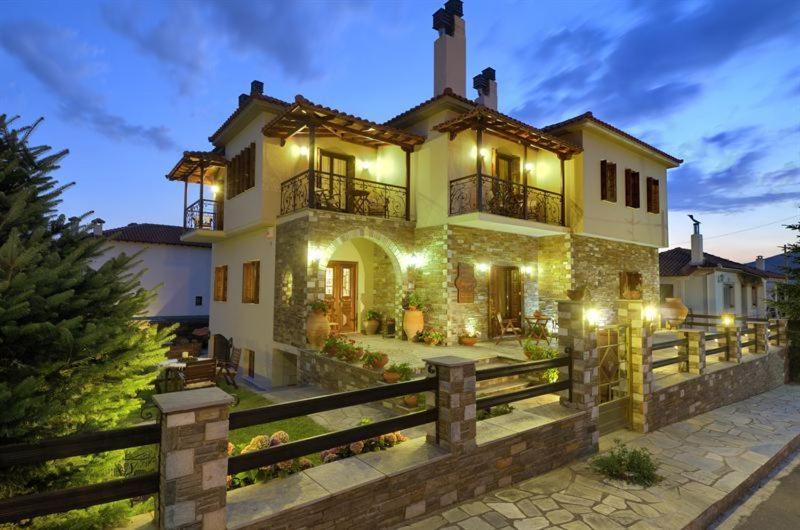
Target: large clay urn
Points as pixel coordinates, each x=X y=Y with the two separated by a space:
x=318 y=329
x=413 y=321
x=674 y=311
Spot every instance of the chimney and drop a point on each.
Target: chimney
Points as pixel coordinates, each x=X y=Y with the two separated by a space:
x=450 y=49
x=97 y=227
x=256 y=88
x=243 y=99
x=697 y=244
x=486 y=86
x=760 y=263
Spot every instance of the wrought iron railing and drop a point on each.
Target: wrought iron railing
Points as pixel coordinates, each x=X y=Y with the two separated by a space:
x=340 y=193
x=204 y=215
x=502 y=197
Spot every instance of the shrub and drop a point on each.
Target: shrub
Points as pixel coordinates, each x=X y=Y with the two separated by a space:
x=262 y=474
x=631 y=465
x=537 y=352
x=342 y=349
x=499 y=410
x=413 y=300
x=377 y=443
x=319 y=306
x=431 y=336
x=373 y=315
x=404 y=369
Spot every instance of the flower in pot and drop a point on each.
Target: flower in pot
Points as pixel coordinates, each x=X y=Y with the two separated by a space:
x=536 y=352
x=397 y=372
x=318 y=329
x=432 y=337
x=470 y=335
x=413 y=401
x=374 y=360
x=413 y=317
x=373 y=322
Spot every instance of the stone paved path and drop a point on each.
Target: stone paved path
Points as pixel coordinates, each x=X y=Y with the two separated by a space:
x=702 y=460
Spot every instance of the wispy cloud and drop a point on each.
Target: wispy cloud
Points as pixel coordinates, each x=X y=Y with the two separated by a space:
x=63 y=64
x=727 y=138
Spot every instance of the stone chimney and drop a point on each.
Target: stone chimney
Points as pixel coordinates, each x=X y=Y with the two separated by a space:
x=697 y=244
x=450 y=49
x=256 y=88
x=97 y=227
x=486 y=86
x=760 y=265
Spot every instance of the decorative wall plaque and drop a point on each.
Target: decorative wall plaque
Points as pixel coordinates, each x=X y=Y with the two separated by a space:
x=465 y=283
x=630 y=285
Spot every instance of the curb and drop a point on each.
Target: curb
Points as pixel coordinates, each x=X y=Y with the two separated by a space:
x=713 y=512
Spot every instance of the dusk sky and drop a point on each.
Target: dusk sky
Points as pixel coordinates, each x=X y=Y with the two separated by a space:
x=127 y=86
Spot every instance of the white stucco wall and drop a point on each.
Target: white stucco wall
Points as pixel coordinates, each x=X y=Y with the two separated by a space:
x=184 y=272
x=704 y=293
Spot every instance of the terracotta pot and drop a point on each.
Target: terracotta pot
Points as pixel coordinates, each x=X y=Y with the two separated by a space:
x=411 y=401
x=384 y=360
x=318 y=329
x=577 y=294
x=467 y=341
x=674 y=311
x=391 y=377
x=413 y=321
x=371 y=327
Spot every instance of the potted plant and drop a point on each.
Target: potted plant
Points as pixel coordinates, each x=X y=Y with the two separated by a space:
x=536 y=352
x=373 y=322
x=397 y=372
x=374 y=360
x=413 y=401
x=469 y=336
x=317 y=326
x=413 y=318
x=432 y=337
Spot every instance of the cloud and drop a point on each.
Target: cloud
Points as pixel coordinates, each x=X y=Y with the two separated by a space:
x=731 y=137
x=178 y=41
x=62 y=64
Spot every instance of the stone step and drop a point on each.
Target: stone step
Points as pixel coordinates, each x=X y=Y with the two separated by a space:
x=502 y=387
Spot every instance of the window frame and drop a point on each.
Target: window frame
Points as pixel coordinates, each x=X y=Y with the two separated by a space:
x=633 y=192
x=608 y=181
x=221 y=285
x=653 y=195
x=251 y=287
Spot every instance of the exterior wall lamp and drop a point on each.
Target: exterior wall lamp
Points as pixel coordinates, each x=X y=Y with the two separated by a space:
x=727 y=320
x=650 y=313
x=593 y=317
x=482 y=267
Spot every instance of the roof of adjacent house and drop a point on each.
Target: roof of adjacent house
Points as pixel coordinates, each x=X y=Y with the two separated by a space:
x=677 y=262
x=589 y=116
x=778 y=261
x=151 y=233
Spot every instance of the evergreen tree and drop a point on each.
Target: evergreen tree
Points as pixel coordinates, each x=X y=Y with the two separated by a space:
x=72 y=357
x=788 y=301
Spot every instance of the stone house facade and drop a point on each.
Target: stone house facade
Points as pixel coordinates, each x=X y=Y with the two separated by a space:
x=474 y=211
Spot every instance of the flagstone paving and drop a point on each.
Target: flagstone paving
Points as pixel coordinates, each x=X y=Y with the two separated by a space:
x=701 y=460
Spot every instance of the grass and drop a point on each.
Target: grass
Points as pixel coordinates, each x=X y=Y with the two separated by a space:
x=631 y=465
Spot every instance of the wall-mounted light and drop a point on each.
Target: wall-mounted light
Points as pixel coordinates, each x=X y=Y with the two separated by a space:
x=482 y=267
x=484 y=152
x=650 y=313
x=214 y=189
x=529 y=167
x=526 y=269
x=727 y=320
x=315 y=254
x=300 y=150
x=415 y=260
x=363 y=165
x=593 y=317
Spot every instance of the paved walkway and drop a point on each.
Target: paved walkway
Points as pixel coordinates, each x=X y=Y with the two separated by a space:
x=702 y=460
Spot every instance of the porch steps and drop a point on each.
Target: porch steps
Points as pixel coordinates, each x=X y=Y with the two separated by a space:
x=502 y=388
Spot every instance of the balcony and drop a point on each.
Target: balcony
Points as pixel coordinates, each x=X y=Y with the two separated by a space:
x=502 y=197
x=340 y=193
x=205 y=214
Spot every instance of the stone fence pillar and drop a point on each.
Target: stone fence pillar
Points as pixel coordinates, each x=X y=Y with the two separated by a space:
x=732 y=340
x=193 y=459
x=694 y=351
x=631 y=313
x=578 y=341
x=761 y=332
x=455 y=428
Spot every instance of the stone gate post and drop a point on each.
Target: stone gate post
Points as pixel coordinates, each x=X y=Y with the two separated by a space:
x=456 y=427
x=694 y=351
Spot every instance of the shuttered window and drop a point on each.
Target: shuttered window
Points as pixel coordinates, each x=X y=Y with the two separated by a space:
x=632 y=194
x=608 y=181
x=251 y=272
x=652 y=195
x=241 y=172
x=221 y=283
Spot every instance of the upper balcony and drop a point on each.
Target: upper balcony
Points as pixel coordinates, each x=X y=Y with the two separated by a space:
x=204 y=217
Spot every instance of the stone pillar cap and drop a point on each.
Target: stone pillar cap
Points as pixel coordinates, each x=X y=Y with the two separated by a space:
x=187 y=400
x=449 y=360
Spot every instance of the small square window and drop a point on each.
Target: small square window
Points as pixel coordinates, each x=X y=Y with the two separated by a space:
x=198 y=300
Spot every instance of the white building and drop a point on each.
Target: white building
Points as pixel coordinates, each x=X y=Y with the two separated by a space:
x=181 y=269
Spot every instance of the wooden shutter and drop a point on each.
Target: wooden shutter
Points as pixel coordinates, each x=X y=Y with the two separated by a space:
x=653 y=205
x=636 y=192
x=221 y=283
x=251 y=169
x=603 y=180
x=250 y=282
x=632 y=192
x=611 y=172
x=514 y=169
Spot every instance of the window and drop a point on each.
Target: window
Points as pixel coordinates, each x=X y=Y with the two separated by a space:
x=667 y=291
x=754 y=296
x=727 y=295
x=221 y=283
x=251 y=271
x=608 y=181
x=507 y=167
x=632 y=188
x=653 y=205
x=242 y=172
x=198 y=300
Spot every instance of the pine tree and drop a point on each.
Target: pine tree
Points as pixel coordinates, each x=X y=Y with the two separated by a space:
x=788 y=301
x=72 y=357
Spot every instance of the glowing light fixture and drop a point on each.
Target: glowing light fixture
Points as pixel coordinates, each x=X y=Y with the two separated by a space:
x=214 y=189
x=302 y=150
x=526 y=269
x=482 y=267
x=529 y=167
x=727 y=320
x=314 y=254
x=416 y=260
x=593 y=317
x=650 y=313
x=484 y=152
x=364 y=165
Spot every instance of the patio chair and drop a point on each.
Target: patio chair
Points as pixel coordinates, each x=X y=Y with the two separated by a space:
x=230 y=368
x=199 y=374
x=222 y=348
x=508 y=330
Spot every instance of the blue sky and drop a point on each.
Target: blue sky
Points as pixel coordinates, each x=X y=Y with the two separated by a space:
x=127 y=86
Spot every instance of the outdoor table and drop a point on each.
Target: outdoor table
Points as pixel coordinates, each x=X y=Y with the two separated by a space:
x=537 y=328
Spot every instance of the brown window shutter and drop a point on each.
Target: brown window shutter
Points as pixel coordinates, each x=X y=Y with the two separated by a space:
x=252 y=173
x=628 y=192
x=653 y=195
x=612 y=182
x=224 y=283
x=256 y=280
x=603 y=180
x=514 y=170
x=636 y=192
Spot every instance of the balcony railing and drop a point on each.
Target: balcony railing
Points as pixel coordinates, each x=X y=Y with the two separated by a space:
x=340 y=193
x=502 y=197
x=204 y=215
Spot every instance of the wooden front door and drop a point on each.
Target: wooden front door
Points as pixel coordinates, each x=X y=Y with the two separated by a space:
x=340 y=293
x=505 y=297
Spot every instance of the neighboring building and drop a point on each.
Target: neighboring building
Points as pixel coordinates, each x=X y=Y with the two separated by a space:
x=182 y=269
x=712 y=285
x=774 y=264
x=477 y=212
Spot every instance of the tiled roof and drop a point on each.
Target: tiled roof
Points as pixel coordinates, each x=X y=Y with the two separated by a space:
x=588 y=116
x=778 y=261
x=677 y=262
x=152 y=233
x=448 y=93
x=240 y=108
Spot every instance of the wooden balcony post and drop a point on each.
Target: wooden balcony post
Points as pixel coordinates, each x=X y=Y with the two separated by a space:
x=479 y=169
x=185 y=198
x=524 y=182
x=312 y=152
x=202 y=185
x=563 y=194
x=408 y=184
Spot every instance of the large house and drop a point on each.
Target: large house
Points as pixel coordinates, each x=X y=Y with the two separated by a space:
x=476 y=212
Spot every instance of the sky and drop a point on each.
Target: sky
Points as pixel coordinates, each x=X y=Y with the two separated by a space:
x=127 y=86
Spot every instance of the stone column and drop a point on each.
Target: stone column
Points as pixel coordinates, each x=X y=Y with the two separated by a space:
x=631 y=313
x=455 y=428
x=694 y=351
x=761 y=331
x=578 y=341
x=732 y=340
x=193 y=460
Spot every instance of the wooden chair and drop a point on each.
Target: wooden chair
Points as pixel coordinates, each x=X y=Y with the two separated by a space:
x=222 y=349
x=230 y=368
x=199 y=374
x=508 y=330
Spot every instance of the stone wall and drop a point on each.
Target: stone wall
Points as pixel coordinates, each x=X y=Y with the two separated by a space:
x=436 y=484
x=291 y=278
x=554 y=271
x=385 y=287
x=716 y=389
x=430 y=280
x=472 y=245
